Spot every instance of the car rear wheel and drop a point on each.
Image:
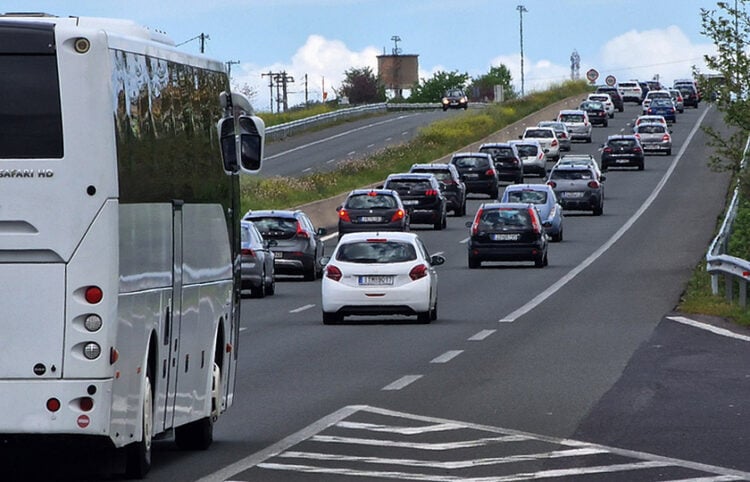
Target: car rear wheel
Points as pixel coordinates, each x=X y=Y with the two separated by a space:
x=474 y=262
x=669 y=152
x=541 y=261
x=558 y=237
x=588 y=140
x=271 y=286
x=494 y=193
x=640 y=166
x=424 y=316
x=311 y=273
x=260 y=291
x=598 y=211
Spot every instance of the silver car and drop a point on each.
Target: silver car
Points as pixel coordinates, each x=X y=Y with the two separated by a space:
x=577 y=188
x=654 y=137
x=577 y=122
x=256 y=261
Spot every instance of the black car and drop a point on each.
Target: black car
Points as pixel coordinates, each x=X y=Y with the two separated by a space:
x=451 y=185
x=421 y=195
x=455 y=99
x=372 y=210
x=597 y=112
x=507 y=232
x=614 y=94
x=477 y=169
x=622 y=151
x=298 y=247
x=507 y=160
x=689 y=95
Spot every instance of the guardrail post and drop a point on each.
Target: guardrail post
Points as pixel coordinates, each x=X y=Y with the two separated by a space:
x=728 y=288
x=715 y=284
x=743 y=293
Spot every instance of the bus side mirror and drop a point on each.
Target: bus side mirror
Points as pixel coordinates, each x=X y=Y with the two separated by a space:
x=250 y=137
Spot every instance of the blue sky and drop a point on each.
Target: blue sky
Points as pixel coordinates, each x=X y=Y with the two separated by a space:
x=324 y=38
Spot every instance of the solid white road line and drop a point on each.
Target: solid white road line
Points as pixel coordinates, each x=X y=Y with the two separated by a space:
x=447 y=356
x=541 y=297
x=705 y=326
x=402 y=382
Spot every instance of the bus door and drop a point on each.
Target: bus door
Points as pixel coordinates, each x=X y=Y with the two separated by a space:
x=172 y=323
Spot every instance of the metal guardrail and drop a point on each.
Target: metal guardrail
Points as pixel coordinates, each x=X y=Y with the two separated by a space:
x=718 y=263
x=281 y=131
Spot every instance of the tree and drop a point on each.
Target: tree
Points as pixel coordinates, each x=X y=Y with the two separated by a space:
x=483 y=87
x=433 y=89
x=361 y=86
x=729 y=28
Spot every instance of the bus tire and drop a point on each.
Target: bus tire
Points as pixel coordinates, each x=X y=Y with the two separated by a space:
x=199 y=435
x=138 y=455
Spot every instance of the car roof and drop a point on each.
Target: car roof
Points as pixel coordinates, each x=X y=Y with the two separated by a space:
x=622 y=136
x=530 y=140
x=573 y=111
x=389 y=235
x=500 y=205
x=472 y=154
x=387 y=192
x=572 y=167
x=528 y=187
x=279 y=213
x=436 y=165
x=496 y=144
x=411 y=175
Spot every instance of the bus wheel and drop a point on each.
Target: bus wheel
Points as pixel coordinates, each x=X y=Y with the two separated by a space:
x=199 y=435
x=138 y=459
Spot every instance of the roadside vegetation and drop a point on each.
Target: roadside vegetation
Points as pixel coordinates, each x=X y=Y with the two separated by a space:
x=433 y=142
x=728 y=27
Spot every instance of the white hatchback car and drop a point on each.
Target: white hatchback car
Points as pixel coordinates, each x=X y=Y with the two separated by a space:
x=547 y=137
x=380 y=273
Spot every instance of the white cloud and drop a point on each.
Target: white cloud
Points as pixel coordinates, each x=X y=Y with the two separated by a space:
x=323 y=60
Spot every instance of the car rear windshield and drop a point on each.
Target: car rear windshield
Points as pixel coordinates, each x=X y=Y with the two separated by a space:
x=647 y=129
x=538 y=133
x=499 y=152
x=275 y=226
x=571 y=117
x=371 y=201
x=376 y=251
x=407 y=185
x=527 y=150
x=600 y=98
x=440 y=174
x=504 y=217
x=621 y=143
x=471 y=162
x=527 y=196
x=571 y=174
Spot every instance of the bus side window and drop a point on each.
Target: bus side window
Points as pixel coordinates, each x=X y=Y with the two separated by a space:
x=251 y=142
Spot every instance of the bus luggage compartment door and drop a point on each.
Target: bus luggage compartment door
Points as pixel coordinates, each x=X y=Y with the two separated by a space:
x=33 y=317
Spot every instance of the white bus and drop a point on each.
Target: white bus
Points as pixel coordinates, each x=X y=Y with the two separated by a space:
x=119 y=236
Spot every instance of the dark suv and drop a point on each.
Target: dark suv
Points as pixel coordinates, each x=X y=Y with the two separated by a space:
x=596 y=111
x=614 y=94
x=477 y=169
x=422 y=198
x=689 y=95
x=507 y=232
x=622 y=151
x=451 y=185
x=507 y=160
x=298 y=247
x=372 y=210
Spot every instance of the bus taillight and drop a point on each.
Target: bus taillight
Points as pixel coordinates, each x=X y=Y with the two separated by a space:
x=86 y=403
x=53 y=405
x=93 y=294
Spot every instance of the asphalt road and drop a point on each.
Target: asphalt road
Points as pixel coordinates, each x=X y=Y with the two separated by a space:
x=580 y=370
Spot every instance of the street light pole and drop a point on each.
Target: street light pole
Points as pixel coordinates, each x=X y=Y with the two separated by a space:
x=521 y=9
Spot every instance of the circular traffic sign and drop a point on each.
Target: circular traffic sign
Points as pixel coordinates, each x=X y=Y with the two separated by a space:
x=592 y=75
x=610 y=80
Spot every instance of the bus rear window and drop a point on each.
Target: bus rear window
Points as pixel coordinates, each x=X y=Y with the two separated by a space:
x=30 y=113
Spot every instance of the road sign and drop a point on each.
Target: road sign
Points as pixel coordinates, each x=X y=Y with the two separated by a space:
x=610 y=80
x=592 y=75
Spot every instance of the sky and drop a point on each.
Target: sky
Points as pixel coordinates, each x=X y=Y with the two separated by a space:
x=319 y=40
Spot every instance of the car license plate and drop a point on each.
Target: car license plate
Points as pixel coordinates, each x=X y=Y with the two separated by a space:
x=505 y=237
x=376 y=280
x=370 y=219
x=472 y=176
x=622 y=161
x=410 y=202
x=278 y=254
x=573 y=194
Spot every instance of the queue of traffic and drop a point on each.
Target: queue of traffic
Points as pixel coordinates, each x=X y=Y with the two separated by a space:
x=379 y=267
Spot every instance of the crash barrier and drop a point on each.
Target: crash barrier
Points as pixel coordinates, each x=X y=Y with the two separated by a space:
x=719 y=264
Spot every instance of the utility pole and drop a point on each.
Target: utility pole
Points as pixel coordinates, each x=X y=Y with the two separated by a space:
x=271 y=76
x=306 y=92
x=521 y=9
x=203 y=37
x=282 y=80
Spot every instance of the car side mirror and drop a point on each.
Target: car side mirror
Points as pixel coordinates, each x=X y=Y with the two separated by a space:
x=547 y=224
x=603 y=178
x=250 y=139
x=322 y=231
x=436 y=260
x=338 y=208
x=521 y=136
x=324 y=260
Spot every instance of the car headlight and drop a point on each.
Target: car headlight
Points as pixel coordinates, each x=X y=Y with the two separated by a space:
x=445 y=100
x=463 y=100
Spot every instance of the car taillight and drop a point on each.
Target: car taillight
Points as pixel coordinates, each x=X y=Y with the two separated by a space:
x=637 y=149
x=608 y=150
x=449 y=182
x=301 y=233
x=398 y=215
x=665 y=138
x=93 y=295
x=332 y=272
x=554 y=142
x=431 y=192
x=344 y=216
x=593 y=184
x=535 y=222
x=247 y=252
x=637 y=136
x=489 y=172
x=417 y=272
x=475 y=224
